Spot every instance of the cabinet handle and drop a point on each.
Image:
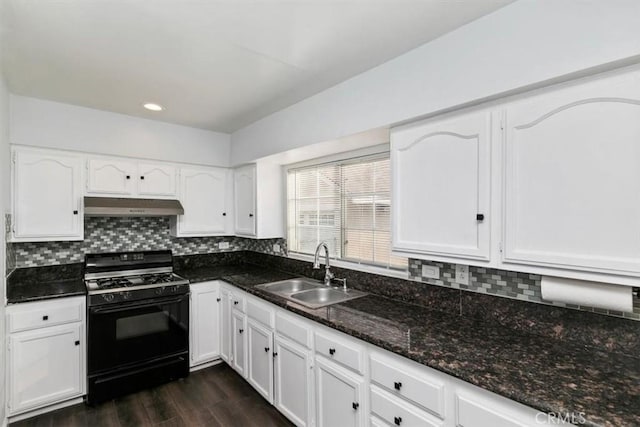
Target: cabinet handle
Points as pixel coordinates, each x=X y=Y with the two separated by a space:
x=397 y=420
x=397 y=385
x=241 y=330
x=355 y=405
x=45 y=317
x=266 y=349
x=128 y=176
x=77 y=342
x=142 y=177
x=332 y=351
x=480 y=217
x=250 y=215
x=75 y=212
x=218 y=299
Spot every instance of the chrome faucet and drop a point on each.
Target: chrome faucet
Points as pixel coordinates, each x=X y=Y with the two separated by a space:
x=328 y=275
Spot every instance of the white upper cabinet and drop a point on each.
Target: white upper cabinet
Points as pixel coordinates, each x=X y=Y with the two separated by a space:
x=111 y=177
x=572 y=177
x=47 y=203
x=130 y=178
x=244 y=179
x=156 y=180
x=441 y=187
x=203 y=194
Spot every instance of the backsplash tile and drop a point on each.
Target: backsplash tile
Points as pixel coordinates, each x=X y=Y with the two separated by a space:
x=114 y=234
x=509 y=284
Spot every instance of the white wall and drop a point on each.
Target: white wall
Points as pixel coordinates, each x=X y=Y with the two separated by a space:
x=54 y=125
x=520 y=46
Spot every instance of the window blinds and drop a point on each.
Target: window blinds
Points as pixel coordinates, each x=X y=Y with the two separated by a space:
x=346 y=205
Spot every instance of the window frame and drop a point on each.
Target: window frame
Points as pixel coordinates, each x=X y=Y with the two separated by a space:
x=360 y=156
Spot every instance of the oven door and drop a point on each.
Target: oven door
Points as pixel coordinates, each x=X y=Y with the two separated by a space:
x=122 y=335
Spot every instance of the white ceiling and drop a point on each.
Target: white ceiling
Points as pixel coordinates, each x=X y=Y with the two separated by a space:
x=217 y=65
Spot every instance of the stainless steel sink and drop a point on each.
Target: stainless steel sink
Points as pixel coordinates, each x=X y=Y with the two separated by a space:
x=290 y=286
x=310 y=293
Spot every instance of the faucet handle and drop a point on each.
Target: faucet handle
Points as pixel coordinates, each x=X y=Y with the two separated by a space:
x=343 y=281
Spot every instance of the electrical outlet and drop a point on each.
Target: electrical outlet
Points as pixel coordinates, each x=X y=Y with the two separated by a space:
x=430 y=271
x=462 y=274
x=223 y=245
x=276 y=248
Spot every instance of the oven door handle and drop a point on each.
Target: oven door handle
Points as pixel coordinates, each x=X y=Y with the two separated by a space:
x=145 y=303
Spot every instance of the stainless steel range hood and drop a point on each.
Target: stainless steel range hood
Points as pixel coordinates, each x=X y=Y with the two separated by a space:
x=112 y=206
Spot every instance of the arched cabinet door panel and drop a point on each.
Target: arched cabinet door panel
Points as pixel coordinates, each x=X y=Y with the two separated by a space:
x=203 y=194
x=111 y=177
x=572 y=177
x=441 y=187
x=245 y=200
x=156 y=180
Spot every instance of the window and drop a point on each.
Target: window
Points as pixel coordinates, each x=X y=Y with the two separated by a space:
x=347 y=205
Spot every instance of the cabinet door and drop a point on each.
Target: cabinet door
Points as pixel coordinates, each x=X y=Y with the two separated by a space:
x=293 y=382
x=572 y=177
x=45 y=366
x=339 y=396
x=205 y=335
x=47 y=197
x=441 y=187
x=225 y=324
x=155 y=180
x=260 y=359
x=110 y=177
x=239 y=343
x=245 y=200
x=202 y=193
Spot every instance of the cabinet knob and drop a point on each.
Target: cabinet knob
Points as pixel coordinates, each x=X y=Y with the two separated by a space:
x=397 y=420
x=142 y=177
x=218 y=299
x=480 y=217
x=355 y=405
x=397 y=385
x=75 y=212
x=128 y=176
x=235 y=302
x=241 y=330
x=275 y=354
x=266 y=349
x=224 y=214
x=45 y=317
x=332 y=351
x=77 y=342
x=250 y=215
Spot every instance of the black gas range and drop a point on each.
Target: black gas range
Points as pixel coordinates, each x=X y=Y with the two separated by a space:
x=138 y=322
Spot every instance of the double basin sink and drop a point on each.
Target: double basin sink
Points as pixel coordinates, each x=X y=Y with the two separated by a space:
x=310 y=293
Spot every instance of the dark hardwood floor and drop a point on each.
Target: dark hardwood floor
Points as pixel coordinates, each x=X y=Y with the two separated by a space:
x=215 y=396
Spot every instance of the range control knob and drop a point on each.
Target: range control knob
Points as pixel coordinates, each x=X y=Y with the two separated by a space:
x=175 y=288
x=126 y=295
x=108 y=297
x=159 y=291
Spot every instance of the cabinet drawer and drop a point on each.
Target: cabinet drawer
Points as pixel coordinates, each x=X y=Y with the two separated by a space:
x=237 y=301
x=396 y=412
x=35 y=315
x=341 y=351
x=293 y=328
x=476 y=414
x=409 y=383
x=260 y=312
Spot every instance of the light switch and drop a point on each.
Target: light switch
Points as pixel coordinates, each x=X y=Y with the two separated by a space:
x=276 y=248
x=430 y=271
x=462 y=274
x=223 y=245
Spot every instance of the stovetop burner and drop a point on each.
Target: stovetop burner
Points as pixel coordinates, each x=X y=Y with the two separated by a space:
x=132 y=281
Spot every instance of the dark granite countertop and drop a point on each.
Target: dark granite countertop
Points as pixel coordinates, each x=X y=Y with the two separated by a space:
x=39 y=283
x=545 y=374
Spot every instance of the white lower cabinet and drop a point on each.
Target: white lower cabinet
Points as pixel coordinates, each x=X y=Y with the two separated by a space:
x=204 y=330
x=294 y=381
x=225 y=325
x=339 y=395
x=46 y=364
x=260 y=358
x=397 y=412
x=239 y=342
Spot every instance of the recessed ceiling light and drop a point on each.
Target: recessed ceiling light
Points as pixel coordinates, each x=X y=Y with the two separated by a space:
x=153 y=107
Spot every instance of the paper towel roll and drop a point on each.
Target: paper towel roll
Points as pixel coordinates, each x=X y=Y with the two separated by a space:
x=591 y=294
